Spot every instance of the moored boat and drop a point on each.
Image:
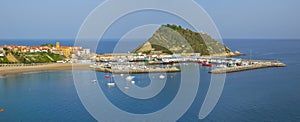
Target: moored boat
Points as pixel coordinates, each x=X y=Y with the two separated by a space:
x=205 y=63
x=111 y=84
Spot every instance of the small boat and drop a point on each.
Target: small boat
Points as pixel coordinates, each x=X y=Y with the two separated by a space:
x=221 y=66
x=107 y=76
x=129 y=78
x=1 y=110
x=94 y=81
x=132 y=82
x=207 y=64
x=210 y=65
x=162 y=77
x=111 y=84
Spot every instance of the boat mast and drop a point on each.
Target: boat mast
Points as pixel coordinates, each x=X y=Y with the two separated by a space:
x=251 y=56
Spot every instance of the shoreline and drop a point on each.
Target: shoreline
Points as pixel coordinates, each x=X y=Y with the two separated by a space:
x=13 y=70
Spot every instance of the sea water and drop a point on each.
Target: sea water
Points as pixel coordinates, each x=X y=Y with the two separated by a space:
x=270 y=94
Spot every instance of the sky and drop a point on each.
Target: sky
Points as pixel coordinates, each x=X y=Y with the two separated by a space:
x=61 y=19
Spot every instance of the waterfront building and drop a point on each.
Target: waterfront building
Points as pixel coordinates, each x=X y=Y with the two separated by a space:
x=83 y=52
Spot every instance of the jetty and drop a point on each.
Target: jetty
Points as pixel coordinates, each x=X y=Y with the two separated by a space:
x=137 y=71
x=257 y=65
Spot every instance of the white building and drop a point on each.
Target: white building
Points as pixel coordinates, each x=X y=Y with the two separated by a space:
x=84 y=52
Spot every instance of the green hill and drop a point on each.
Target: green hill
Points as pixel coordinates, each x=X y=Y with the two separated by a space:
x=174 y=39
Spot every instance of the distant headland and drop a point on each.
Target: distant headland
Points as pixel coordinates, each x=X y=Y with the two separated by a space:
x=172 y=39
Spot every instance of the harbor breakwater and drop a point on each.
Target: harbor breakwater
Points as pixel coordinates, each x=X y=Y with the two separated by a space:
x=261 y=64
x=137 y=71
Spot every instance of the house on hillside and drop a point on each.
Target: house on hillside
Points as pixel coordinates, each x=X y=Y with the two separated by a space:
x=2 y=52
x=83 y=52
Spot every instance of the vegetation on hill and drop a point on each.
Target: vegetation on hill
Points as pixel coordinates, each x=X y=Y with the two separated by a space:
x=35 y=57
x=4 y=59
x=174 y=39
x=48 y=45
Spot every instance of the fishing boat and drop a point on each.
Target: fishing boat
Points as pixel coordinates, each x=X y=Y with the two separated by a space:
x=1 y=110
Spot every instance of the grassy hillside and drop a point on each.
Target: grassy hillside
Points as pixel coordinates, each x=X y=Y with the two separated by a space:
x=37 y=57
x=174 y=39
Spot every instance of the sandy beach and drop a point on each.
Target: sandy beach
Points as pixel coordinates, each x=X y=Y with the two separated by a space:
x=6 y=71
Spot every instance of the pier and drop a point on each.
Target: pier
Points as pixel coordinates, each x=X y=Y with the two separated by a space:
x=259 y=65
x=137 y=71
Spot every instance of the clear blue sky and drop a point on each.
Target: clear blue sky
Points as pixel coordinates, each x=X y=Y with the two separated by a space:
x=234 y=18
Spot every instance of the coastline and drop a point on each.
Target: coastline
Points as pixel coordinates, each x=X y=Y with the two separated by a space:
x=7 y=71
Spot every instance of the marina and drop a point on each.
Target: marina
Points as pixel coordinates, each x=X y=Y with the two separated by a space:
x=136 y=70
x=142 y=63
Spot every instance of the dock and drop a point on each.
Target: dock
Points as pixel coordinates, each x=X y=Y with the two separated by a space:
x=248 y=67
x=138 y=71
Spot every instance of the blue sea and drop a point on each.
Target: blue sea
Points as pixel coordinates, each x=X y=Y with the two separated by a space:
x=270 y=94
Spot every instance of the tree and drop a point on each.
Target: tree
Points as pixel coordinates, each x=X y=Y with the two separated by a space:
x=5 y=49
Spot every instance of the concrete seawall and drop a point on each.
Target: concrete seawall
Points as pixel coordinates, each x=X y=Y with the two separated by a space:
x=244 y=68
x=137 y=71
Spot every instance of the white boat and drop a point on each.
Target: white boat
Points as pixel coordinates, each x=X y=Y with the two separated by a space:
x=162 y=77
x=129 y=78
x=221 y=66
x=132 y=82
x=111 y=84
x=94 y=81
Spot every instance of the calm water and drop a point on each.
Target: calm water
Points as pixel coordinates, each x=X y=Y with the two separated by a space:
x=270 y=94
